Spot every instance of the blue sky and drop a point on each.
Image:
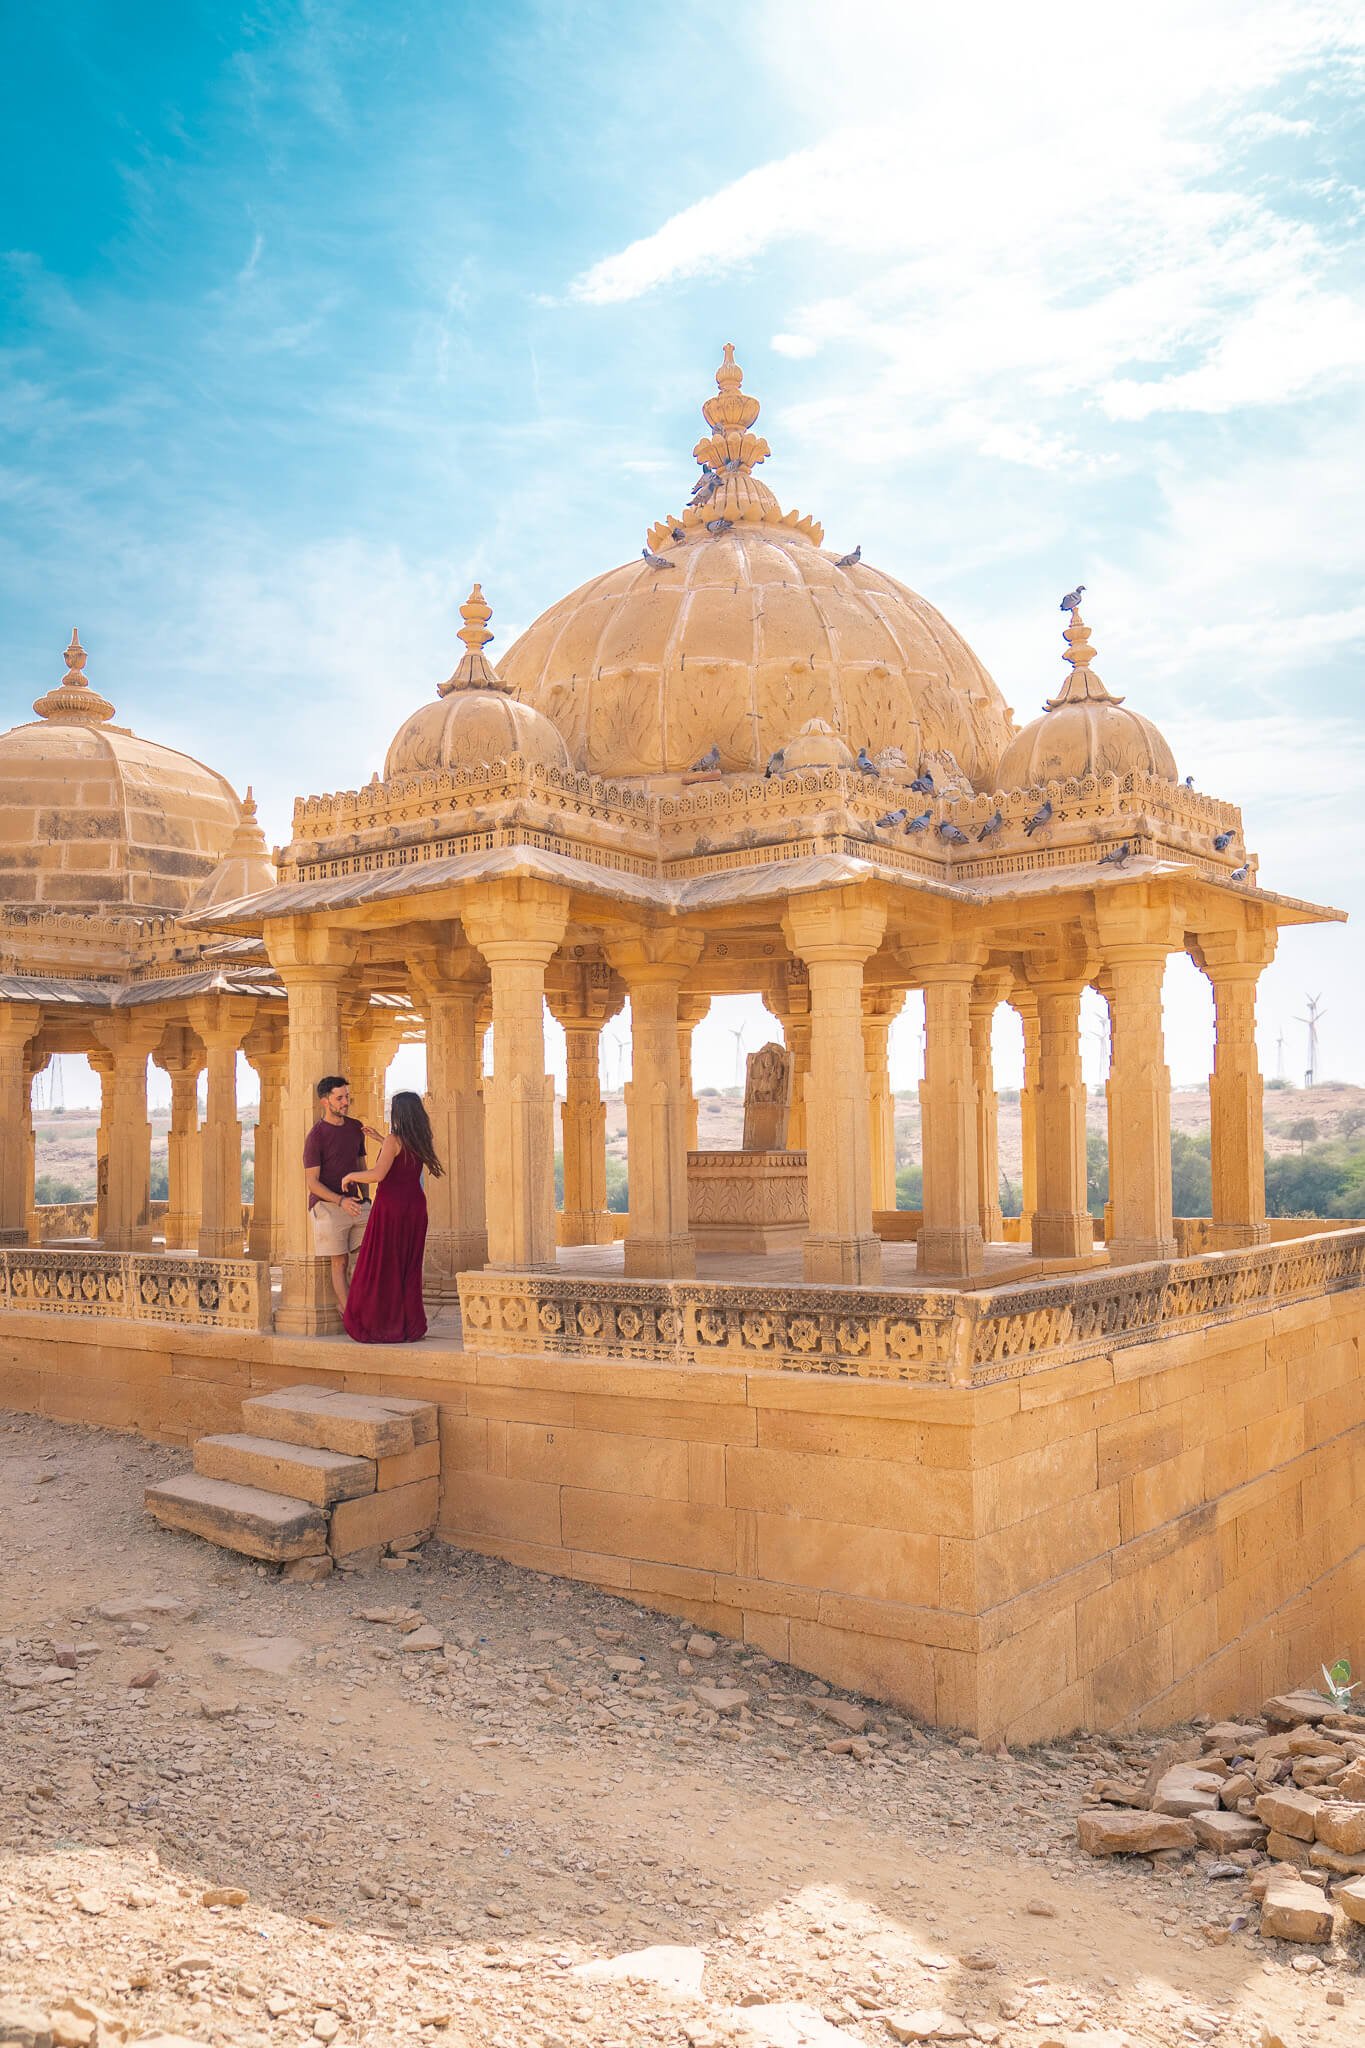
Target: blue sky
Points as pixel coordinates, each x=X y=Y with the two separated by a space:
x=312 y=313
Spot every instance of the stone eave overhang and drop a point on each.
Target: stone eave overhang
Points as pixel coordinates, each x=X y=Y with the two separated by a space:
x=124 y=995
x=721 y=887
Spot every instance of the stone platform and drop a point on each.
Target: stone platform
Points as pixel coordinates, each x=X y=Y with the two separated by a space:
x=1131 y=1495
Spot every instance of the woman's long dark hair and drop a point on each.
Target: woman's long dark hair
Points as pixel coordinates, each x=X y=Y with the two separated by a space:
x=410 y=1124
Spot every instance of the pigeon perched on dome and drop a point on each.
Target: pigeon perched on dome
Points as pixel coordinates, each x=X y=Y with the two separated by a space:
x=1042 y=816
x=850 y=561
x=1072 y=601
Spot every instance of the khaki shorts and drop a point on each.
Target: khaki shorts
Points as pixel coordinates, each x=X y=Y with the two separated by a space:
x=334 y=1232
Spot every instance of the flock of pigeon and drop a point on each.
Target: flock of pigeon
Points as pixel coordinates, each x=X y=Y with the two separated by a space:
x=923 y=784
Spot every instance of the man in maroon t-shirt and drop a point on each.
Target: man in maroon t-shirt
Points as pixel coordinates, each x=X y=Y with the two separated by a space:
x=333 y=1148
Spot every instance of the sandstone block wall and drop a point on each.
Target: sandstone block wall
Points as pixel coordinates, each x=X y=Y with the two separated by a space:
x=1166 y=1528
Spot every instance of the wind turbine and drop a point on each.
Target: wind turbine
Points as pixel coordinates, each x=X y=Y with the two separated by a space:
x=1279 y=1055
x=737 y=1033
x=1312 y=1020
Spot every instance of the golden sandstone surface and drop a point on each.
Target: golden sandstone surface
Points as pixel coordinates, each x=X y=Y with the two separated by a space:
x=1016 y=1486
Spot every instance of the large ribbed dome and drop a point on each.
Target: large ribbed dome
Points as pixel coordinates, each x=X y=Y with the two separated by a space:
x=745 y=635
x=94 y=818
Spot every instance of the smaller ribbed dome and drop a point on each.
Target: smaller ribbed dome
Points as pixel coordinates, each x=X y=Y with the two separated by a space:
x=474 y=720
x=1085 y=730
x=245 y=869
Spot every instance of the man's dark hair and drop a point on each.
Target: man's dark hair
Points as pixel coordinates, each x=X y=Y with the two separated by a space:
x=329 y=1082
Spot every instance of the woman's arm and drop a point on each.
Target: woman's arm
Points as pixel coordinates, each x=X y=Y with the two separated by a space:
x=388 y=1152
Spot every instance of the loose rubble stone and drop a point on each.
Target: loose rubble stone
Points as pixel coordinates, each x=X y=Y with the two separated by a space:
x=1294 y=1911
x=1290 y=1813
x=23 y=2025
x=1227 y=1831
x=700 y=1646
x=1108 y=1831
x=674 y=1968
x=720 y=1699
x=147 y=1607
x=1184 y=1790
x=1286 y=1709
x=844 y=1714
x=1342 y=1827
x=1350 y=1897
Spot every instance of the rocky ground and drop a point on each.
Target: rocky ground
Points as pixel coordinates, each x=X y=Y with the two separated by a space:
x=246 y=1812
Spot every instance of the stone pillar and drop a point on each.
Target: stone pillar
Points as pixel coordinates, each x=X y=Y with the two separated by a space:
x=789 y=1002
x=35 y=1066
x=269 y=1056
x=518 y=926
x=180 y=1057
x=221 y=1025
x=371 y=1034
x=658 y=1244
x=881 y=1007
x=103 y=1066
x=1025 y=1006
x=312 y=963
x=987 y=995
x=1234 y=962
x=1138 y=1093
x=582 y=1002
x=457 y=1229
x=950 y=1239
x=834 y=934
x=1061 y=1219
x=18 y=1022
x=128 y=1041
x=691 y=1010
x=583 y=1123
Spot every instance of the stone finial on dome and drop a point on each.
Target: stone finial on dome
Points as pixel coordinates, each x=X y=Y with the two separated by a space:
x=73 y=701
x=475 y=671
x=732 y=408
x=1082 y=685
x=727 y=488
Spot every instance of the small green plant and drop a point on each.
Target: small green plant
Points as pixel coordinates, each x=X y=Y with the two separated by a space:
x=1337 y=1684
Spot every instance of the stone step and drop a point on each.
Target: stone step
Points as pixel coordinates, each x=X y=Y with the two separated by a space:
x=242 y=1518
x=293 y=1469
x=360 y=1425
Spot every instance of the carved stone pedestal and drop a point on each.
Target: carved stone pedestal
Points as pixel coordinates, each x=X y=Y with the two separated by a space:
x=747 y=1201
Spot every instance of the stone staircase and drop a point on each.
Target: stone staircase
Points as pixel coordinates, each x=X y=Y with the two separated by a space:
x=316 y=1475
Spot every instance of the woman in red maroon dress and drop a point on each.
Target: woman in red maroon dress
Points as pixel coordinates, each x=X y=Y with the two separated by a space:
x=384 y=1303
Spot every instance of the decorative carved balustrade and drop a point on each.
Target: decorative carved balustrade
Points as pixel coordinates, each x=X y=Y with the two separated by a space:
x=870 y=1333
x=856 y=1333
x=1015 y=1329
x=144 y=1287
